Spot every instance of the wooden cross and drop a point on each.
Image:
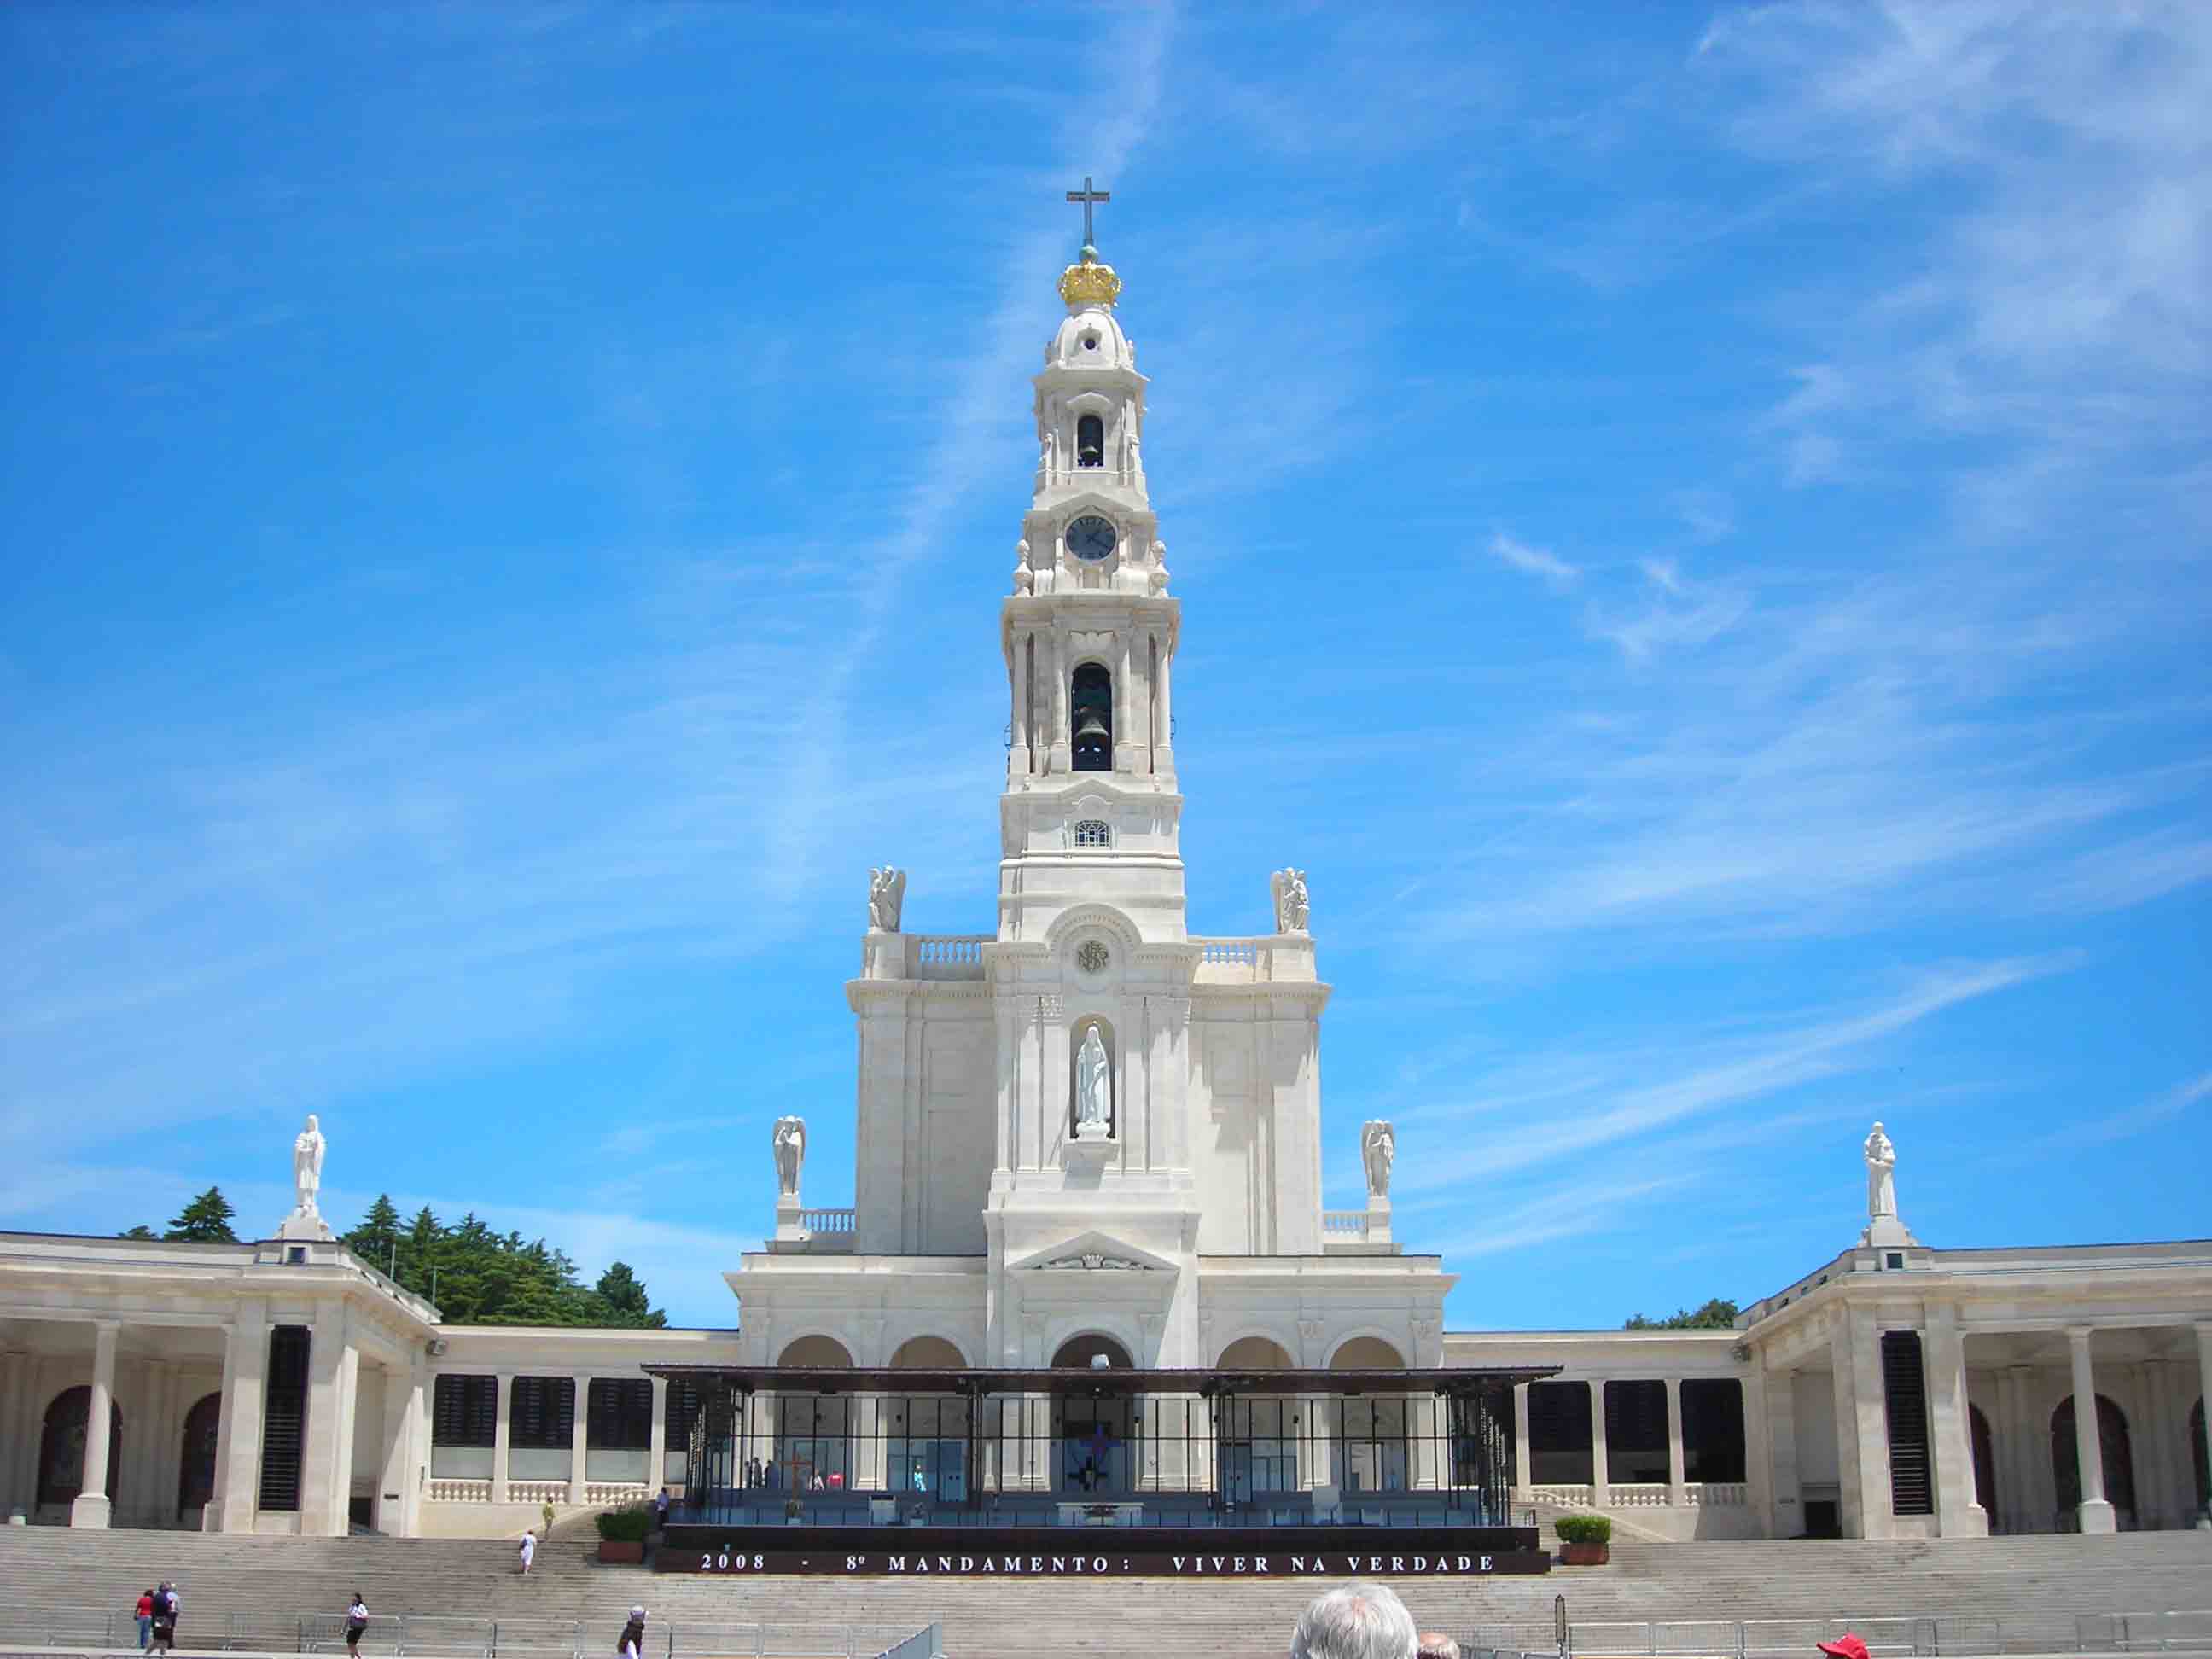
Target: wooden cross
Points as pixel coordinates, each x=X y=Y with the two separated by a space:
x=1087 y=196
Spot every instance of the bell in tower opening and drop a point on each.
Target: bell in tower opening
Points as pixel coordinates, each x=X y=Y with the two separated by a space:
x=1090 y=442
x=1091 y=712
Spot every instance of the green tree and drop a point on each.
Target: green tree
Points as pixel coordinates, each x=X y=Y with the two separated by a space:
x=1718 y=1314
x=622 y=1293
x=375 y=1240
x=141 y=1230
x=206 y=1220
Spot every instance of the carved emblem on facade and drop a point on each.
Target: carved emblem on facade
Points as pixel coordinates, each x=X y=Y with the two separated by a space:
x=1092 y=1261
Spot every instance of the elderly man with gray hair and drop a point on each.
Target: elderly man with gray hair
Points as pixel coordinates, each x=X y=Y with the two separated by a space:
x=1355 y=1621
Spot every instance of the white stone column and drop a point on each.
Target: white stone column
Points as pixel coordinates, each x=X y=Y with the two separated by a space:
x=91 y=1508
x=327 y=1456
x=580 y=1434
x=1677 y=1496
x=1950 y=1427
x=1762 y=1457
x=2097 y=1516
x=237 y=1497
x=1851 y=1514
x=156 y=1499
x=1601 y=1474
x=656 y=1456
x=1870 y=1419
x=1025 y=675
x=1522 y=1479
x=14 y=1391
x=501 y=1416
x=399 y=1482
x=1164 y=739
x=2162 y=1501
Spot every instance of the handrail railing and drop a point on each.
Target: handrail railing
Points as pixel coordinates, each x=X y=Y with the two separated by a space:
x=829 y=1221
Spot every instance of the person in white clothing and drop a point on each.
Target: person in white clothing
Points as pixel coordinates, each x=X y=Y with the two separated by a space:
x=528 y=1549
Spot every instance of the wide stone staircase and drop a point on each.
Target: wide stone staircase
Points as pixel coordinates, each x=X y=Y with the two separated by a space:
x=2013 y=1595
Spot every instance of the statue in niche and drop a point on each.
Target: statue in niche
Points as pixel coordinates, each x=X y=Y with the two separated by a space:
x=1094 y=1088
x=789 y=1140
x=886 y=897
x=307 y=1164
x=1289 y=890
x=1378 y=1149
x=1881 y=1174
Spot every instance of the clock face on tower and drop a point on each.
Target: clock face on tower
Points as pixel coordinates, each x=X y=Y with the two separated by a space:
x=1091 y=537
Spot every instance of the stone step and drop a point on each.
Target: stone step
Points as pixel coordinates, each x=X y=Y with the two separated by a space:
x=2035 y=1583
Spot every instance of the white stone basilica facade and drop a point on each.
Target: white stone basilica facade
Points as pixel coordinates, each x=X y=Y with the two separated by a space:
x=1089 y=1134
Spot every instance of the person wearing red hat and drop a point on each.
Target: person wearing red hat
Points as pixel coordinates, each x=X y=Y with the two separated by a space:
x=1846 y=1646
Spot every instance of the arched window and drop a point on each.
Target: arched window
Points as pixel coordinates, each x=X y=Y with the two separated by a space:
x=1985 y=1462
x=1090 y=442
x=196 y=1461
x=1090 y=715
x=2118 y=1459
x=61 y=1446
x=1093 y=832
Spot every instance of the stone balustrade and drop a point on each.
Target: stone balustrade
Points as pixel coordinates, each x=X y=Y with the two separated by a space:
x=537 y=1492
x=1351 y=1224
x=1565 y=1498
x=1717 y=1494
x=1267 y=959
x=1639 y=1495
x=828 y=1221
x=616 y=1492
x=460 y=1491
x=947 y=955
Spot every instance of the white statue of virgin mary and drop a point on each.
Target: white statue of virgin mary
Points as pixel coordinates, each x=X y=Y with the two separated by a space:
x=1094 y=1090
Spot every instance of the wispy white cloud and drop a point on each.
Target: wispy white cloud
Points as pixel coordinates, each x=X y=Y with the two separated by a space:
x=1534 y=561
x=1612 y=1109
x=2136 y=1120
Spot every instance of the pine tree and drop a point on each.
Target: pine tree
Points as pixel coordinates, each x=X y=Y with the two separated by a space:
x=206 y=1220
x=141 y=1230
x=379 y=1232
x=624 y=1300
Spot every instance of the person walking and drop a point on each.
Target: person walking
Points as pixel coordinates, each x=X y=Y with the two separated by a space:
x=357 y=1622
x=632 y=1645
x=660 y=1511
x=167 y=1607
x=528 y=1551
x=145 y=1611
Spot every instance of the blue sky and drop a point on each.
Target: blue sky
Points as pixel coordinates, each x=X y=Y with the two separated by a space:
x=1692 y=526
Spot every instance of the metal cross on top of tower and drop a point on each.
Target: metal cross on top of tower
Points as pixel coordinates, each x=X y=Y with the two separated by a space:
x=1087 y=196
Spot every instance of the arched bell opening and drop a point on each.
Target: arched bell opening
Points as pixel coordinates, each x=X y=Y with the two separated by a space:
x=1090 y=715
x=1089 y=441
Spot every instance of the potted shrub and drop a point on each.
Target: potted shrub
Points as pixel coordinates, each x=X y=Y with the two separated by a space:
x=621 y=1532
x=1585 y=1540
x=794 y=1512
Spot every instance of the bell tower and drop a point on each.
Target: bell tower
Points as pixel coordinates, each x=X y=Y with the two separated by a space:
x=1091 y=811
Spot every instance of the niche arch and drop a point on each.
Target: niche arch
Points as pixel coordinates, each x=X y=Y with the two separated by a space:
x=1077 y=1035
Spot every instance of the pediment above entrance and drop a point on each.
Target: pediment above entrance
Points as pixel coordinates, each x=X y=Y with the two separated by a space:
x=1093 y=1253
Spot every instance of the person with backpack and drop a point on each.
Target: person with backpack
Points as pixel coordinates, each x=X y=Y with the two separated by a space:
x=167 y=1606
x=144 y=1612
x=357 y=1622
x=632 y=1645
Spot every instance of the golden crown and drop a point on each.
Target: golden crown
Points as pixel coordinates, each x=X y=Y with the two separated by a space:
x=1089 y=284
